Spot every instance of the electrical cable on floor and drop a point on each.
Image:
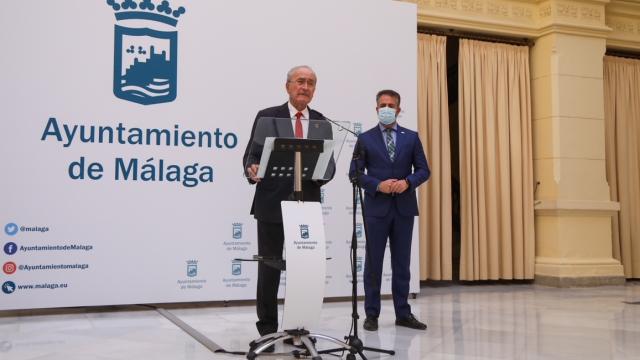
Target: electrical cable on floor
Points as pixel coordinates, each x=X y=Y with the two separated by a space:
x=209 y=344
x=198 y=336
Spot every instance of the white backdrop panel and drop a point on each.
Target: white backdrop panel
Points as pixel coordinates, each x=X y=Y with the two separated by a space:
x=120 y=241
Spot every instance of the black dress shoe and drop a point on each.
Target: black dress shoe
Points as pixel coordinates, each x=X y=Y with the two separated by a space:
x=370 y=324
x=411 y=322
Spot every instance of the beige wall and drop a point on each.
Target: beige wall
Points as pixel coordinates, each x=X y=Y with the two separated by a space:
x=573 y=207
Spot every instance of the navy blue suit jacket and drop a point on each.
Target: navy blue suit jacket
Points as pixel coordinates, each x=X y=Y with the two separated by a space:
x=375 y=165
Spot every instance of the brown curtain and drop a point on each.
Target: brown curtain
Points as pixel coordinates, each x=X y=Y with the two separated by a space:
x=496 y=162
x=622 y=134
x=433 y=126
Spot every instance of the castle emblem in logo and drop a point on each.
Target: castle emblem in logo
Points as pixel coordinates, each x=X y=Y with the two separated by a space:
x=145 y=69
x=357 y=128
x=304 y=231
x=192 y=268
x=237 y=231
x=236 y=268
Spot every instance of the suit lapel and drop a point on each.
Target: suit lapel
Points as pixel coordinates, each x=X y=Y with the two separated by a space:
x=380 y=143
x=313 y=130
x=284 y=128
x=400 y=139
x=316 y=130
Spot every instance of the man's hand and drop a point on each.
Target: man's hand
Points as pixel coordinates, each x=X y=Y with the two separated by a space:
x=399 y=186
x=252 y=171
x=386 y=186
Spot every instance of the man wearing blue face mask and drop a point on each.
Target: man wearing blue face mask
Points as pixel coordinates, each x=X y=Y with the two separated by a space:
x=390 y=163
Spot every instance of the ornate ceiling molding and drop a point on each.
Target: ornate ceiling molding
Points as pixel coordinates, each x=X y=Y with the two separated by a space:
x=623 y=17
x=616 y=20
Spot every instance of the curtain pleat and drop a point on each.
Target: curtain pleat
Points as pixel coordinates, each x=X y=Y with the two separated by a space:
x=622 y=139
x=433 y=125
x=496 y=162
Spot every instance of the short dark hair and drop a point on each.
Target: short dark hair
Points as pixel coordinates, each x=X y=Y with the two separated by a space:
x=389 y=92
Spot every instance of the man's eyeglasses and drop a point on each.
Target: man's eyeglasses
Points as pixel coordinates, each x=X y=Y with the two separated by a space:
x=301 y=82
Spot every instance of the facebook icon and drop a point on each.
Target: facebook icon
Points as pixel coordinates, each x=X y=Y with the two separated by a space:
x=10 y=248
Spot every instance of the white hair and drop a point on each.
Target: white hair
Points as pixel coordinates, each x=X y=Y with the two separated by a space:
x=296 y=68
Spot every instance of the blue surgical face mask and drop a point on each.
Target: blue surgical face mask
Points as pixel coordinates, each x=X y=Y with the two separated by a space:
x=386 y=115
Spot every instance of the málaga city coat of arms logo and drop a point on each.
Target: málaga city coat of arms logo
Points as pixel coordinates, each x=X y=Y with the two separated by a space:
x=145 y=69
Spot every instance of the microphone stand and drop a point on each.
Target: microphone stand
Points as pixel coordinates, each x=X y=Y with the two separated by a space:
x=353 y=340
x=341 y=127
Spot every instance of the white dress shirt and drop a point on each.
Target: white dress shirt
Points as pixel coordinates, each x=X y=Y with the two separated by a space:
x=304 y=119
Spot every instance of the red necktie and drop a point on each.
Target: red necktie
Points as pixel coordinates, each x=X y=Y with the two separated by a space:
x=298 y=132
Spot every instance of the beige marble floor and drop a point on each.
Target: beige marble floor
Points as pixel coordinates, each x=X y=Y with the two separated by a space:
x=465 y=322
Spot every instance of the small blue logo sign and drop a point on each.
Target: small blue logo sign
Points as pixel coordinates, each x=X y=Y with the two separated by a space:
x=357 y=128
x=8 y=287
x=192 y=268
x=359 y=230
x=304 y=231
x=237 y=231
x=10 y=248
x=11 y=229
x=145 y=69
x=236 y=268
x=359 y=264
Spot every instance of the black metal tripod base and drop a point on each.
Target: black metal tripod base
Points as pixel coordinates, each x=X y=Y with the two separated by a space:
x=299 y=337
x=354 y=342
x=357 y=347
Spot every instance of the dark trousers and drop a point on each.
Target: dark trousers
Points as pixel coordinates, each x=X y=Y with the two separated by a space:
x=270 y=243
x=398 y=229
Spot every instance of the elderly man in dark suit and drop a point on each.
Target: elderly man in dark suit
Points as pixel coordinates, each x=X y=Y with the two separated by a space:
x=395 y=166
x=300 y=85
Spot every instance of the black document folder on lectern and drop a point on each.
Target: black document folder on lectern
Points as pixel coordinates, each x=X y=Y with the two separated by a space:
x=273 y=146
x=278 y=157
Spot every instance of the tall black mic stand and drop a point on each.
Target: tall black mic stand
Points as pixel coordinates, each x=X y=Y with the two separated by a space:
x=352 y=339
